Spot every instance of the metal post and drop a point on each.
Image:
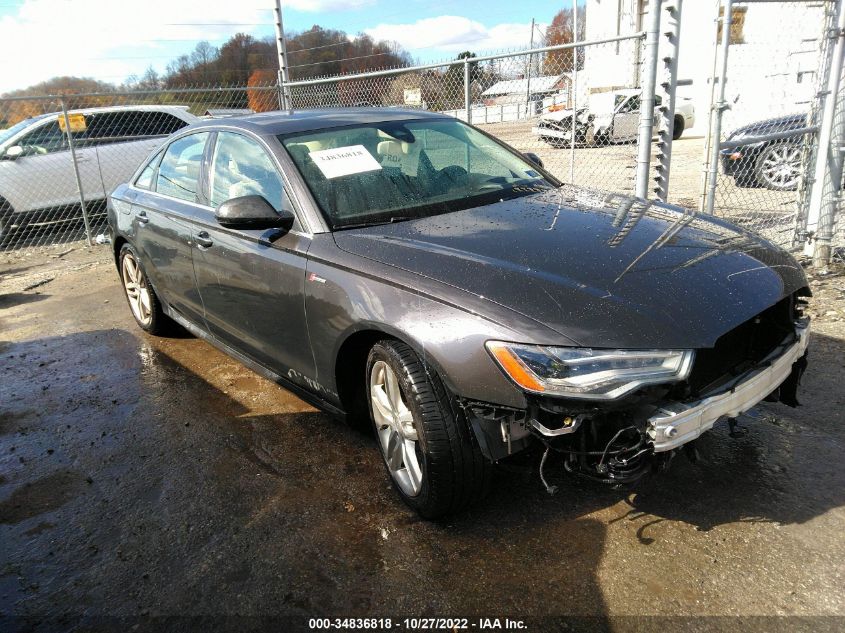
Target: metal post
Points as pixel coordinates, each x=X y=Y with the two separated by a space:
x=717 y=109
x=668 y=88
x=528 y=71
x=282 y=48
x=573 y=89
x=708 y=139
x=647 y=99
x=76 y=172
x=467 y=104
x=827 y=180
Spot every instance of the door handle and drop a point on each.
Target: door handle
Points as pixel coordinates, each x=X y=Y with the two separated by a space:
x=203 y=240
x=142 y=217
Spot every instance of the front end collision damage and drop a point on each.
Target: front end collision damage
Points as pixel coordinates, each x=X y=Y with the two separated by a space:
x=619 y=442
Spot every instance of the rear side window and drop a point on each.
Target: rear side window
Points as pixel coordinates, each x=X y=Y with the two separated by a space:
x=178 y=174
x=145 y=180
x=115 y=127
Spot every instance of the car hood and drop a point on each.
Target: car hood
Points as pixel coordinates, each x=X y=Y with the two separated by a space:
x=560 y=115
x=779 y=124
x=603 y=270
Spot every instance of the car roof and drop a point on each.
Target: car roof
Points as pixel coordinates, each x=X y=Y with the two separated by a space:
x=143 y=108
x=294 y=121
x=181 y=109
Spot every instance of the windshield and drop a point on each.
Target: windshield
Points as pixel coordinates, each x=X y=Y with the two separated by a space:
x=397 y=170
x=8 y=133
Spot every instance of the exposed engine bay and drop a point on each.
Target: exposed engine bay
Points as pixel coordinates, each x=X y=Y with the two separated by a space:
x=620 y=441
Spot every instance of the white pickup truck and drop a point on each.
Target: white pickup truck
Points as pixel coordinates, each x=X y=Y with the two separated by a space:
x=609 y=117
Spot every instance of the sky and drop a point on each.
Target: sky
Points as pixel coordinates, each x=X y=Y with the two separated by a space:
x=110 y=40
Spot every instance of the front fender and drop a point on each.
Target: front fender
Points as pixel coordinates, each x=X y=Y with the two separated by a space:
x=341 y=301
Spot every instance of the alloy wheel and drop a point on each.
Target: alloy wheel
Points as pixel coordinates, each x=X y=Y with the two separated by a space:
x=397 y=433
x=781 y=166
x=137 y=290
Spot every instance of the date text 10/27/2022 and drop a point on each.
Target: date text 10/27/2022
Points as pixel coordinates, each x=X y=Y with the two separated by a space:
x=416 y=624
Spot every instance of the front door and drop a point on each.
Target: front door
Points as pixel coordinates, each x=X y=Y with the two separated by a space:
x=626 y=120
x=43 y=176
x=252 y=288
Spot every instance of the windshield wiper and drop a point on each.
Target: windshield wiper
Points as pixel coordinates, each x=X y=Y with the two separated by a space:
x=358 y=225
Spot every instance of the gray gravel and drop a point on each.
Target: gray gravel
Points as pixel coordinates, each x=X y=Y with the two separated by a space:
x=156 y=477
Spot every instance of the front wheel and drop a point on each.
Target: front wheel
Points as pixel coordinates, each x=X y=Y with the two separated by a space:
x=779 y=166
x=430 y=452
x=8 y=230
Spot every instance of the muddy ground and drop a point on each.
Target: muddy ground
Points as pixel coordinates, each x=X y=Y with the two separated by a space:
x=145 y=477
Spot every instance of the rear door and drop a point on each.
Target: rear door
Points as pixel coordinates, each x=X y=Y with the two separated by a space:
x=251 y=284
x=168 y=200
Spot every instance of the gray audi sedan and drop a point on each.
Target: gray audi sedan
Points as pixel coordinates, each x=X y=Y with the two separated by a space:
x=405 y=269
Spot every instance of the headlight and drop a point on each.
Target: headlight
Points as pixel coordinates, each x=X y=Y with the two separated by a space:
x=591 y=374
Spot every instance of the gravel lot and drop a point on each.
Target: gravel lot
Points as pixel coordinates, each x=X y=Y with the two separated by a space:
x=144 y=478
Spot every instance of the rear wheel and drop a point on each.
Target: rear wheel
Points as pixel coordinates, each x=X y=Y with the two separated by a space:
x=678 y=128
x=779 y=166
x=142 y=299
x=430 y=452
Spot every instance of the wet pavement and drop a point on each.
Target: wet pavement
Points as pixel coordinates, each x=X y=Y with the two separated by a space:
x=144 y=476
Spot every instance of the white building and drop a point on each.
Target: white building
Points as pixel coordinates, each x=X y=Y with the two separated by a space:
x=532 y=89
x=772 y=60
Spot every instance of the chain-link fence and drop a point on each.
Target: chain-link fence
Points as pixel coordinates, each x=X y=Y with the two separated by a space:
x=63 y=155
x=747 y=120
x=764 y=134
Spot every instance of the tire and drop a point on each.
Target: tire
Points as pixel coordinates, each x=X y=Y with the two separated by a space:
x=145 y=305
x=678 y=128
x=7 y=234
x=778 y=166
x=451 y=472
x=602 y=137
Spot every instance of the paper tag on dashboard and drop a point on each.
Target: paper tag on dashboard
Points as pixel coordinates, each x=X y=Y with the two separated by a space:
x=343 y=161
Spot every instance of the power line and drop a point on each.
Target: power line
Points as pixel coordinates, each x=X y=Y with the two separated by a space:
x=345 y=59
x=313 y=48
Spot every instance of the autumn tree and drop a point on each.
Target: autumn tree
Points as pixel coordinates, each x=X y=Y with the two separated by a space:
x=262 y=100
x=561 y=31
x=17 y=111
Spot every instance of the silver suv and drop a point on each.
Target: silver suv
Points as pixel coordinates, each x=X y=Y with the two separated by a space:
x=37 y=182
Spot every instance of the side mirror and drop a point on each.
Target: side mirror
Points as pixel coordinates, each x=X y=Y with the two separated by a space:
x=533 y=158
x=13 y=153
x=252 y=212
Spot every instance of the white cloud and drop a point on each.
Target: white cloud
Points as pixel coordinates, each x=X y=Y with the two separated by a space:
x=47 y=38
x=452 y=33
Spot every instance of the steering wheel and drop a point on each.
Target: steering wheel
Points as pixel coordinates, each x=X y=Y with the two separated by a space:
x=452 y=176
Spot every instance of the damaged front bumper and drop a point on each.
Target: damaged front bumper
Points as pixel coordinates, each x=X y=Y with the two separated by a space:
x=678 y=423
x=620 y=442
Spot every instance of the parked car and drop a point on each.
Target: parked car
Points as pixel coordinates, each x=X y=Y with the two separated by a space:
x=773 y=164
x=404 y=268
x=37 y=181
x=610 y=117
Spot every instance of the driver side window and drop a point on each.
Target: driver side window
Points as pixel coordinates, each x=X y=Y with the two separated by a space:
x=241 y=167
x=45 y=139
x=632 y=105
